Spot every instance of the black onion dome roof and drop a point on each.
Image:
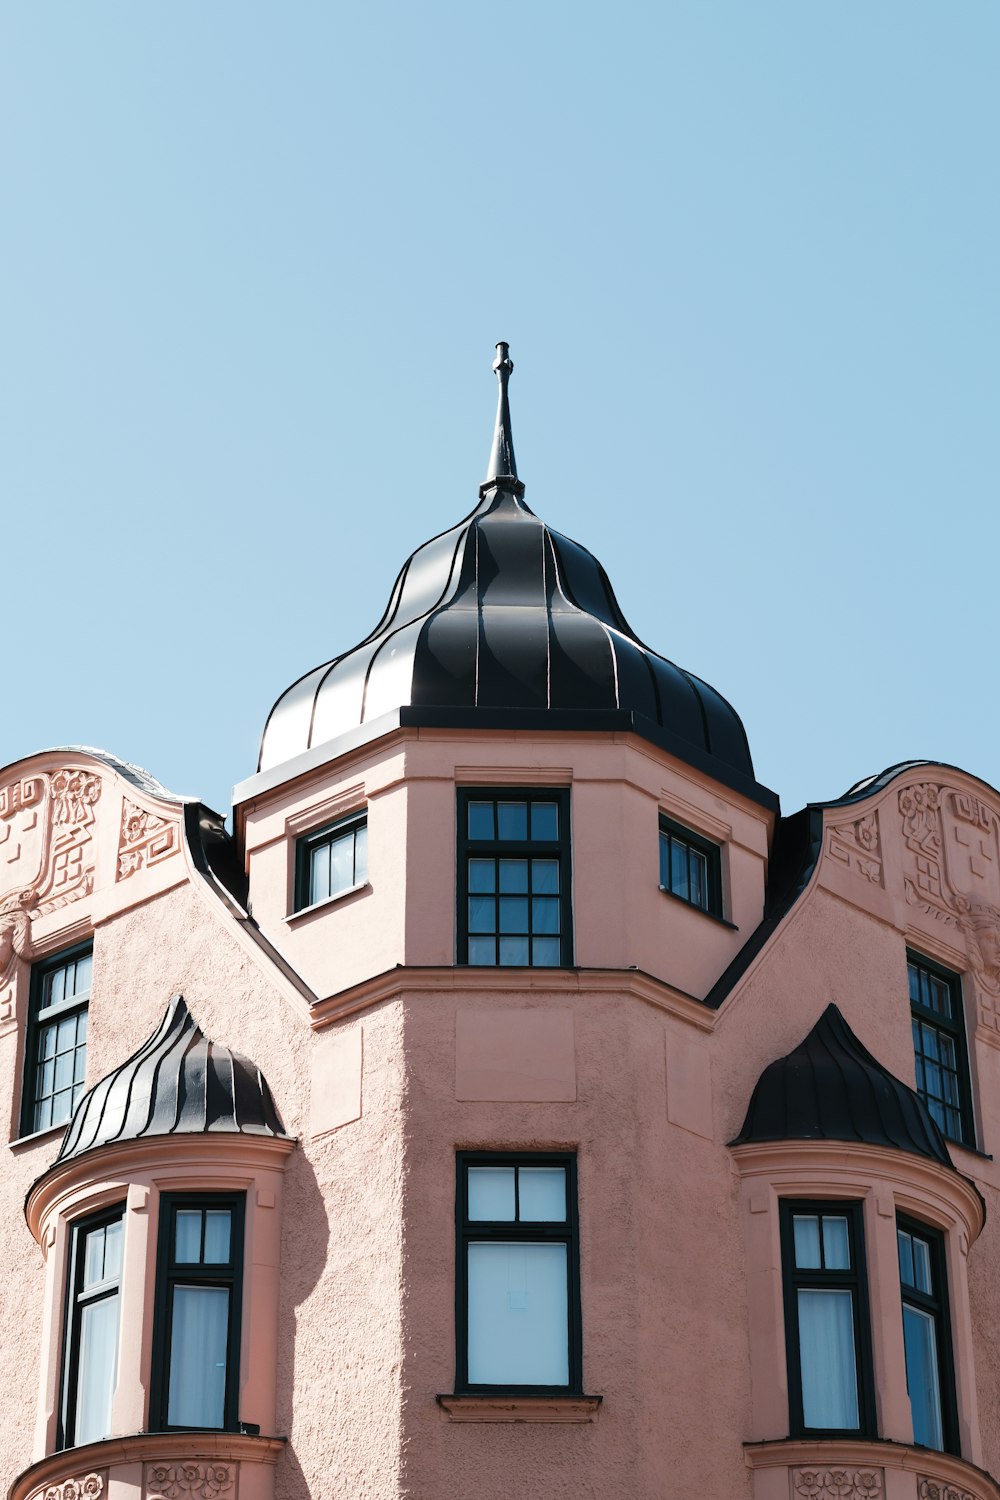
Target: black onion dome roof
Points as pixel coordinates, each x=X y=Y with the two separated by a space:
x=831 y=1088
x=501 y=614
x=177 y=1083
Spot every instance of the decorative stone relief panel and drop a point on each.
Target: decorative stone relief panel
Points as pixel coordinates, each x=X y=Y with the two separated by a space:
x=181 y=1481
x=857 y=845
x=85 y=1488
x=145 y=839
x=933 y=1489
x=838 y=1484
x=953 y=875
x=46 y=858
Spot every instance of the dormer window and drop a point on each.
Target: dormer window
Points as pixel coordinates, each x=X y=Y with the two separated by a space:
x=331 y=861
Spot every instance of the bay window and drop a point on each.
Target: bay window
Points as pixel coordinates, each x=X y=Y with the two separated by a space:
x=929 y=1377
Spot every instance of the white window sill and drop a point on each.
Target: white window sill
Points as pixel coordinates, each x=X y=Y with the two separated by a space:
x=307 y=911
x=501 y=1408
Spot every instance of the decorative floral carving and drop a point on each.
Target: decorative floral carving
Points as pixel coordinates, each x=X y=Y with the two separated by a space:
x=857 y=846
x=933 y=1489
x=87 y=1487
x=838 y=1484
x=145 y=839
x=179 y=1481
x=45 y=838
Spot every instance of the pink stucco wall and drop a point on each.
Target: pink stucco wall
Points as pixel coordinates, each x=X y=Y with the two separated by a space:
x=406 y=1058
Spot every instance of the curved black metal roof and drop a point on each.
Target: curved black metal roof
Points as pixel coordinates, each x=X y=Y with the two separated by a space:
x=178 y=1082
x=500 y=613
x=831 y=1088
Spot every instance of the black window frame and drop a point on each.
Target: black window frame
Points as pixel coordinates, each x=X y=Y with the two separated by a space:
x=955 y=1030
x=678 y=833
x=528 y=1232
x=169 y=1273
x=938 y=1306
x=307 y=843
x=40 y=1018
x=855 y=1280
x=75 y=1301
x=560 y=849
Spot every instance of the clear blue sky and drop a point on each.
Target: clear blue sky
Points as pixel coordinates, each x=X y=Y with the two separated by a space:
x=255 y=258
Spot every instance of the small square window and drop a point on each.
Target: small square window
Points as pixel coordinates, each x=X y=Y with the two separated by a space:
x=690 y=867
x=56 y=1042
x=330 y=861
x=518 y=1273
x=939 y=1046
x=513 y=879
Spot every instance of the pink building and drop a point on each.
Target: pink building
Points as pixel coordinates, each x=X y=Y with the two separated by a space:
x=517 y=1105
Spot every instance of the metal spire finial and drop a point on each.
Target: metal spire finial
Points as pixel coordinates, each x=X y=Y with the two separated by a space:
x=502 y=463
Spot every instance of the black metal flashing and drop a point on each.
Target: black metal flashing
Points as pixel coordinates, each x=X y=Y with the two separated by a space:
x=831 y=1088
x=177 y=1083
x=502 y=614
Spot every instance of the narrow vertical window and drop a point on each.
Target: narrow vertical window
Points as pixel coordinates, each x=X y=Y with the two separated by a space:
x=514 y=878
x=331 y=861
x=56 y=1041
x=690 y=867
x=517 y=1287
x=91 y=1365
x=199 y=1293
x=939 y=1046
x=926 y=1335
x=826 y=1319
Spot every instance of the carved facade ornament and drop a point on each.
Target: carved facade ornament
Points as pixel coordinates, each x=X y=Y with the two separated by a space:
x=953 y=840
x=838 y=1484
x=145 y=839
x=933 y=1489
x=46 y=858
x=183 y=1481
x=858 y=846
x=88 y=1487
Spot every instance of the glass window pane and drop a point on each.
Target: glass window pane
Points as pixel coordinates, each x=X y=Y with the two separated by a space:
x=545 y=821
x=836 y=1245
x=56 y=986
x=481 y=820
x=113 y=1250
x=341 y=863
x=319 y=873
x=47 y=1042
x=482 y=951
x=542 y=1194
x=218 y=1223
x=66 y=1034
x=482 y=875
x=361 y=854
x=512 y=821
x=199 y=1339
x=805 y=1228
x=922 y=1265
x=929 y=1041
x=697 y=868
x=545 y=877
x=43 y=1114
x=914 y=978
x=513 y=875
x=187 y=1236
x=482 y=914
x=905 y=1244
x=678 y=869
x=514 y=951
x=826 y=1353
x=941 y=997
x=545 y=952
x=64 y=1070
x=491 y=1193
x=98 y=1369
x=665 y=861
x=518 y=1315
x=83 y=968
x=545 y=914
x=920 y=1338
x=513 y=914
x=81 y=1026
x=62 y=1106
x=48 y=1072
x=93 y=1258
